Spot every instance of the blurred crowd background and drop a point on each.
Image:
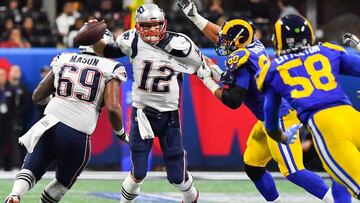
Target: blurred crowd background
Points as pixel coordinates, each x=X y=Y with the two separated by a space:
x=54 y=24
x=39 y=23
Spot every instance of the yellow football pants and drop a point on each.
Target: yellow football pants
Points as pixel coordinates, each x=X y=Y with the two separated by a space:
x=261 y=148
x=336 y=134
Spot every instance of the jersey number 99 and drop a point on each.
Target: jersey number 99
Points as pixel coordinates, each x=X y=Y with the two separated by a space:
x=320 y=78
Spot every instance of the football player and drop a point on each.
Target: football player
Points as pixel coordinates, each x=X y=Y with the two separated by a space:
x=306 y=75
x=159 y=58
x=245 y=55
x=81 y=82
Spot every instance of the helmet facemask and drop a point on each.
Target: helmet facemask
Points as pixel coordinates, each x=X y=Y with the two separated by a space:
x=151 y=32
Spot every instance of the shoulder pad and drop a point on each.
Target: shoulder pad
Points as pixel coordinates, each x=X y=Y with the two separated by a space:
x=119 y=73
x=334 y=47
x=126 y=42
x=126 y=37
x=176 y=44
x=179 y=43
x=58 y=58
x=237 y=58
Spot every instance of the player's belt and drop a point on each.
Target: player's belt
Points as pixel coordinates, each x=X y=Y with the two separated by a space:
x=153 y=113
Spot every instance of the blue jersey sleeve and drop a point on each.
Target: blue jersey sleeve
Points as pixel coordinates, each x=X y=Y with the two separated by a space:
x=242 y=78
x=271 y=109
x=350 y=64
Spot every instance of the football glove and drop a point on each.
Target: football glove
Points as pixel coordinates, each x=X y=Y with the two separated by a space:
x=204 y=71
x=351 y=40
x=122 y=135
x=189 y=9
x=291 y=133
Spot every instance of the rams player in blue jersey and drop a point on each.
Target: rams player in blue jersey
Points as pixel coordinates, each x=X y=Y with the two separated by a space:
x=306 y=75
x=245 y=56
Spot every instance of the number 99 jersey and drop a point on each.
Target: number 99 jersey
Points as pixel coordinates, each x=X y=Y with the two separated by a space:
x=307 y=79
x=80 y=81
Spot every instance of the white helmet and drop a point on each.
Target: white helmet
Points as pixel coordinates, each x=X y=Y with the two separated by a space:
x=150 y=13
x=108 y=37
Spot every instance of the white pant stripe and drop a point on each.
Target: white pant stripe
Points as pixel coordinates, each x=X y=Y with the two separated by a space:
x=288 y=158
x=326 y=157
x=285 y=151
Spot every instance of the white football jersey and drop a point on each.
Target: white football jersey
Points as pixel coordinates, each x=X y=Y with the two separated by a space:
x=157 y=70
x=80 y=81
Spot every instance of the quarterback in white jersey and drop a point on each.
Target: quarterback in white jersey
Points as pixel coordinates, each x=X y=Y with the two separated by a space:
x=159 y=59
x=82 y=83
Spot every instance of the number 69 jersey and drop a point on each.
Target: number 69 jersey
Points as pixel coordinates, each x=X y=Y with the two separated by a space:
x=80 y=81
x=307 y=79
x=157 y=69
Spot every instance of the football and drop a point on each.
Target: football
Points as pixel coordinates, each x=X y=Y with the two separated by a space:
x=90 y=33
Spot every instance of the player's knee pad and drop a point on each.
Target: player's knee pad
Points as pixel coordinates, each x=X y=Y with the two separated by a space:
x=253 y=172
x=130 y=189
x=53 y=192
x=27 y=176
x=185 y=185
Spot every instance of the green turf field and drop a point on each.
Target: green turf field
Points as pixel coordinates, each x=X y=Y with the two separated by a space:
x=107 y=191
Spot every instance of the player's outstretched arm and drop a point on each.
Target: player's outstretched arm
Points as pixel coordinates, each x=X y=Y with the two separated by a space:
x=113 y=108
x=232 y=97
x=43 y=91
x=209 y=29
x=350 y=64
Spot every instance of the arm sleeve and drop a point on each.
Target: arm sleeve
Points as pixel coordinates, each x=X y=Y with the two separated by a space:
x=271 y=109
x=242 y=78
x=233 y=96
x=350 y=64
x=113 y=50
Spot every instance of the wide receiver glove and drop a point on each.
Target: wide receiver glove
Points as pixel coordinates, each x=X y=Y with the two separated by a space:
x=189 y=9
x=291 y=133
x=351 y=40
x=122 y=135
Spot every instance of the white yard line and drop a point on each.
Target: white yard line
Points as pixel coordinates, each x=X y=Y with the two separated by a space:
x=152 y=175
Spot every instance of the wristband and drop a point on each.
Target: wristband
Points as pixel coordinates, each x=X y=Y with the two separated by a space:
x=200 y=21
x=211 y=84
x=120 y=132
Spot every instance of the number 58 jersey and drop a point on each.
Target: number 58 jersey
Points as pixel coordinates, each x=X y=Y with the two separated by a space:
x=307 y=79
x=80 y=81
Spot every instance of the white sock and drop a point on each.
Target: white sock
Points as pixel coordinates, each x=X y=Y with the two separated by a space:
x=188 y=190
x=53 y=192
x=130 y=189
x=328 y=198
x=277 y=200
x=24 y=181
